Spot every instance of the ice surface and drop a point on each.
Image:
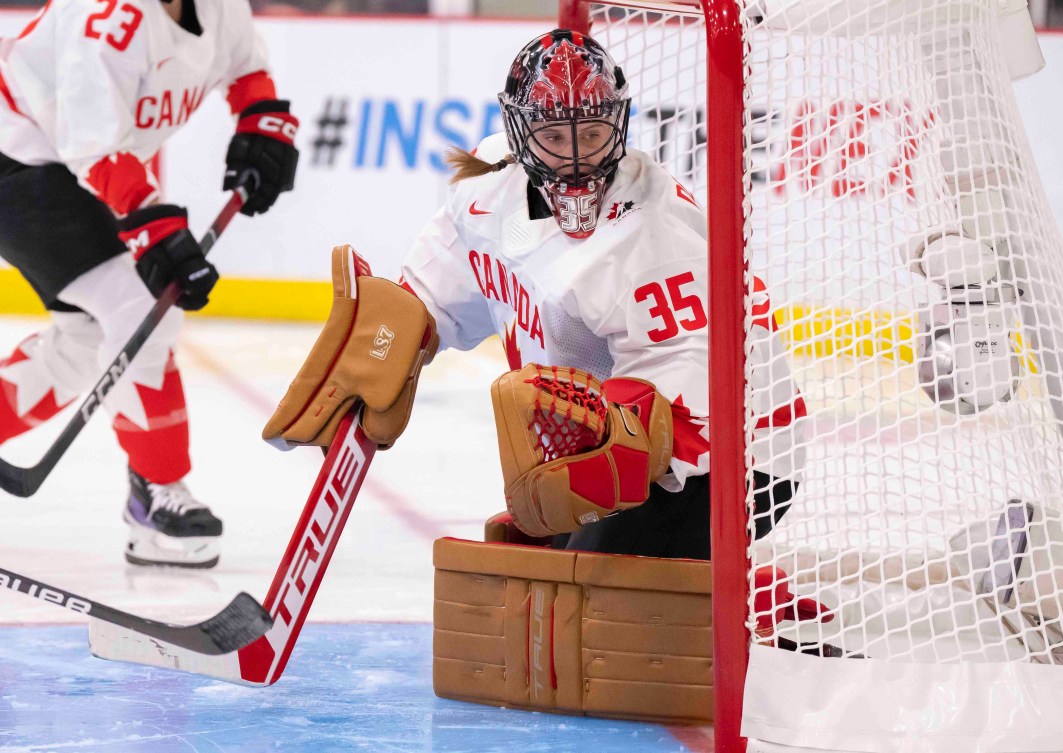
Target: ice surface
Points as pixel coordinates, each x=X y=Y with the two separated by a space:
x=442 y=478
x=362 y=687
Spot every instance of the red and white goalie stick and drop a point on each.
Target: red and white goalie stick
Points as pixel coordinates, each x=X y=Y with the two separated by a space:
x=294 y=586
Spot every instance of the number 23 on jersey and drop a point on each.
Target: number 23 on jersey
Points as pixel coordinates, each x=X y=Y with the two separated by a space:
x=130 y=18
x=672 y=309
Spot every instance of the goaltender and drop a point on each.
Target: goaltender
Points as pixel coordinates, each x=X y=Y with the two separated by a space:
x=589 y=261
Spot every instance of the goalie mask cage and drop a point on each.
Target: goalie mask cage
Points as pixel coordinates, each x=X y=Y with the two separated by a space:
x=866 y=160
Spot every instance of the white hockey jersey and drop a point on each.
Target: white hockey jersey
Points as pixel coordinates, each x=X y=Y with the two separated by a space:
x=628 y=301
x=99 y=85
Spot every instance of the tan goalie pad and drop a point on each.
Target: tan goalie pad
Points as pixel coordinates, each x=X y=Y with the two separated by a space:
x=573 y=632
x=372 y=347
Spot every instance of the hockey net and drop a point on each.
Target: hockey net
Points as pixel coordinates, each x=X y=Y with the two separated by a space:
x=889 y=200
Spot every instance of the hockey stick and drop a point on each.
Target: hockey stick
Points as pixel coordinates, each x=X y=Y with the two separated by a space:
x=1009 y=547
x=240 y=623
x=24 y=482
x=294 y=585
x=826 y=650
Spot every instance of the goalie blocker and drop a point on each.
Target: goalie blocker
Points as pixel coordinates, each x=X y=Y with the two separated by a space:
x=371 y=350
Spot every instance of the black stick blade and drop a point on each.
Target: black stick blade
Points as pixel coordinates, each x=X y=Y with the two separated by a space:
x=21 y=482
x=827 y=650
x=242 y=622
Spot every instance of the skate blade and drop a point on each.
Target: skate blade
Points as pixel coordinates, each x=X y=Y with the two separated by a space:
x=185 y=564
x=148 y=547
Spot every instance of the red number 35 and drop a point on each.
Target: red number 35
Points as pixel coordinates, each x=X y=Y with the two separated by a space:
x=665 y=307
x=128 y=27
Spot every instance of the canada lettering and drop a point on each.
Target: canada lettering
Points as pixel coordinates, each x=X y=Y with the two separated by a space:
x=166 y=110
x=498 y=284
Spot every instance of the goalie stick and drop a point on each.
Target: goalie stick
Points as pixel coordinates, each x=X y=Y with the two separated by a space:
x=237 y=625
x=294 y=586
x=24 y=482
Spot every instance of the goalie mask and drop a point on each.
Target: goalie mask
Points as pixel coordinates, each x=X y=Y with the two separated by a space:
x=565 y=109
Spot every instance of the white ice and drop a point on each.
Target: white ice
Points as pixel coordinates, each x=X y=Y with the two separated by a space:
x=441 y=479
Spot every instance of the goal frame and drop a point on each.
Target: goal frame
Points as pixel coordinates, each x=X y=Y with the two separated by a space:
x=725 y=85
x=948 y=348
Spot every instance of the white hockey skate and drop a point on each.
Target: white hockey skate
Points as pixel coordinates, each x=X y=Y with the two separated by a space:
x=168 y=526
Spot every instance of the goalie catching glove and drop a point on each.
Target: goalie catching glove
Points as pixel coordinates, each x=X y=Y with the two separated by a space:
x=574 y=449
x=377 y=338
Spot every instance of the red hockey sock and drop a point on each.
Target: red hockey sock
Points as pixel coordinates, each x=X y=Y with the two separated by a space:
x=159 y=452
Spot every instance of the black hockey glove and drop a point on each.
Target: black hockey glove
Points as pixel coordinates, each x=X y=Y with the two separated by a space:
x=265 y=144
x=165 y=250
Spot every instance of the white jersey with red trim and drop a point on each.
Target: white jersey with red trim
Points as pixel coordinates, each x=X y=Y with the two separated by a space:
x=99 y=85
x=629 y=301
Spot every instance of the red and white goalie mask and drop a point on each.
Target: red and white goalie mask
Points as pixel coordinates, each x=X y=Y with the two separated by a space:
x=565 y=109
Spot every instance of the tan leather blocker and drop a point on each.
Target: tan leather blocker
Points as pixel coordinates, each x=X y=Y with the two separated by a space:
x=573 y=632
x=376 y=339
x=571 y=453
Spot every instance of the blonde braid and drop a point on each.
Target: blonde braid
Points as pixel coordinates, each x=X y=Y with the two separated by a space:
x=466 y=165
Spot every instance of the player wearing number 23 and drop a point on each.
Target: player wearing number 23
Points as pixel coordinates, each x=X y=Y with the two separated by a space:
x=89 y=92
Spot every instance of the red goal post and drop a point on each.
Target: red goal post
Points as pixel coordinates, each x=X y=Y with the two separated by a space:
x=866 y=160
x=723 y=196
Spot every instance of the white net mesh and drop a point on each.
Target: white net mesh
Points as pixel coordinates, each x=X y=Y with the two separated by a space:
x=916 y=279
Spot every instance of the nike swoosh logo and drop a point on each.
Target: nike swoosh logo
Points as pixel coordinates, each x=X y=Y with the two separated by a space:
x=163 y=62
x=474 y=211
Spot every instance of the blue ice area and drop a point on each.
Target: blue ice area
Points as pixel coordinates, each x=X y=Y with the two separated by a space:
x=349 y=687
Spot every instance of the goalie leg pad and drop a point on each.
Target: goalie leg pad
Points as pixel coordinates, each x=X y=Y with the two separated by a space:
x=573 y=632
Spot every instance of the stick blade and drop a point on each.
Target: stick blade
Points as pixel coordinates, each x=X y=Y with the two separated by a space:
x=117 y=643
x=20 y=482
x=239 y=624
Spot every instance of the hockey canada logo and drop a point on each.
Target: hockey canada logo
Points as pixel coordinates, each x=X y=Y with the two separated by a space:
x=621 y=209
